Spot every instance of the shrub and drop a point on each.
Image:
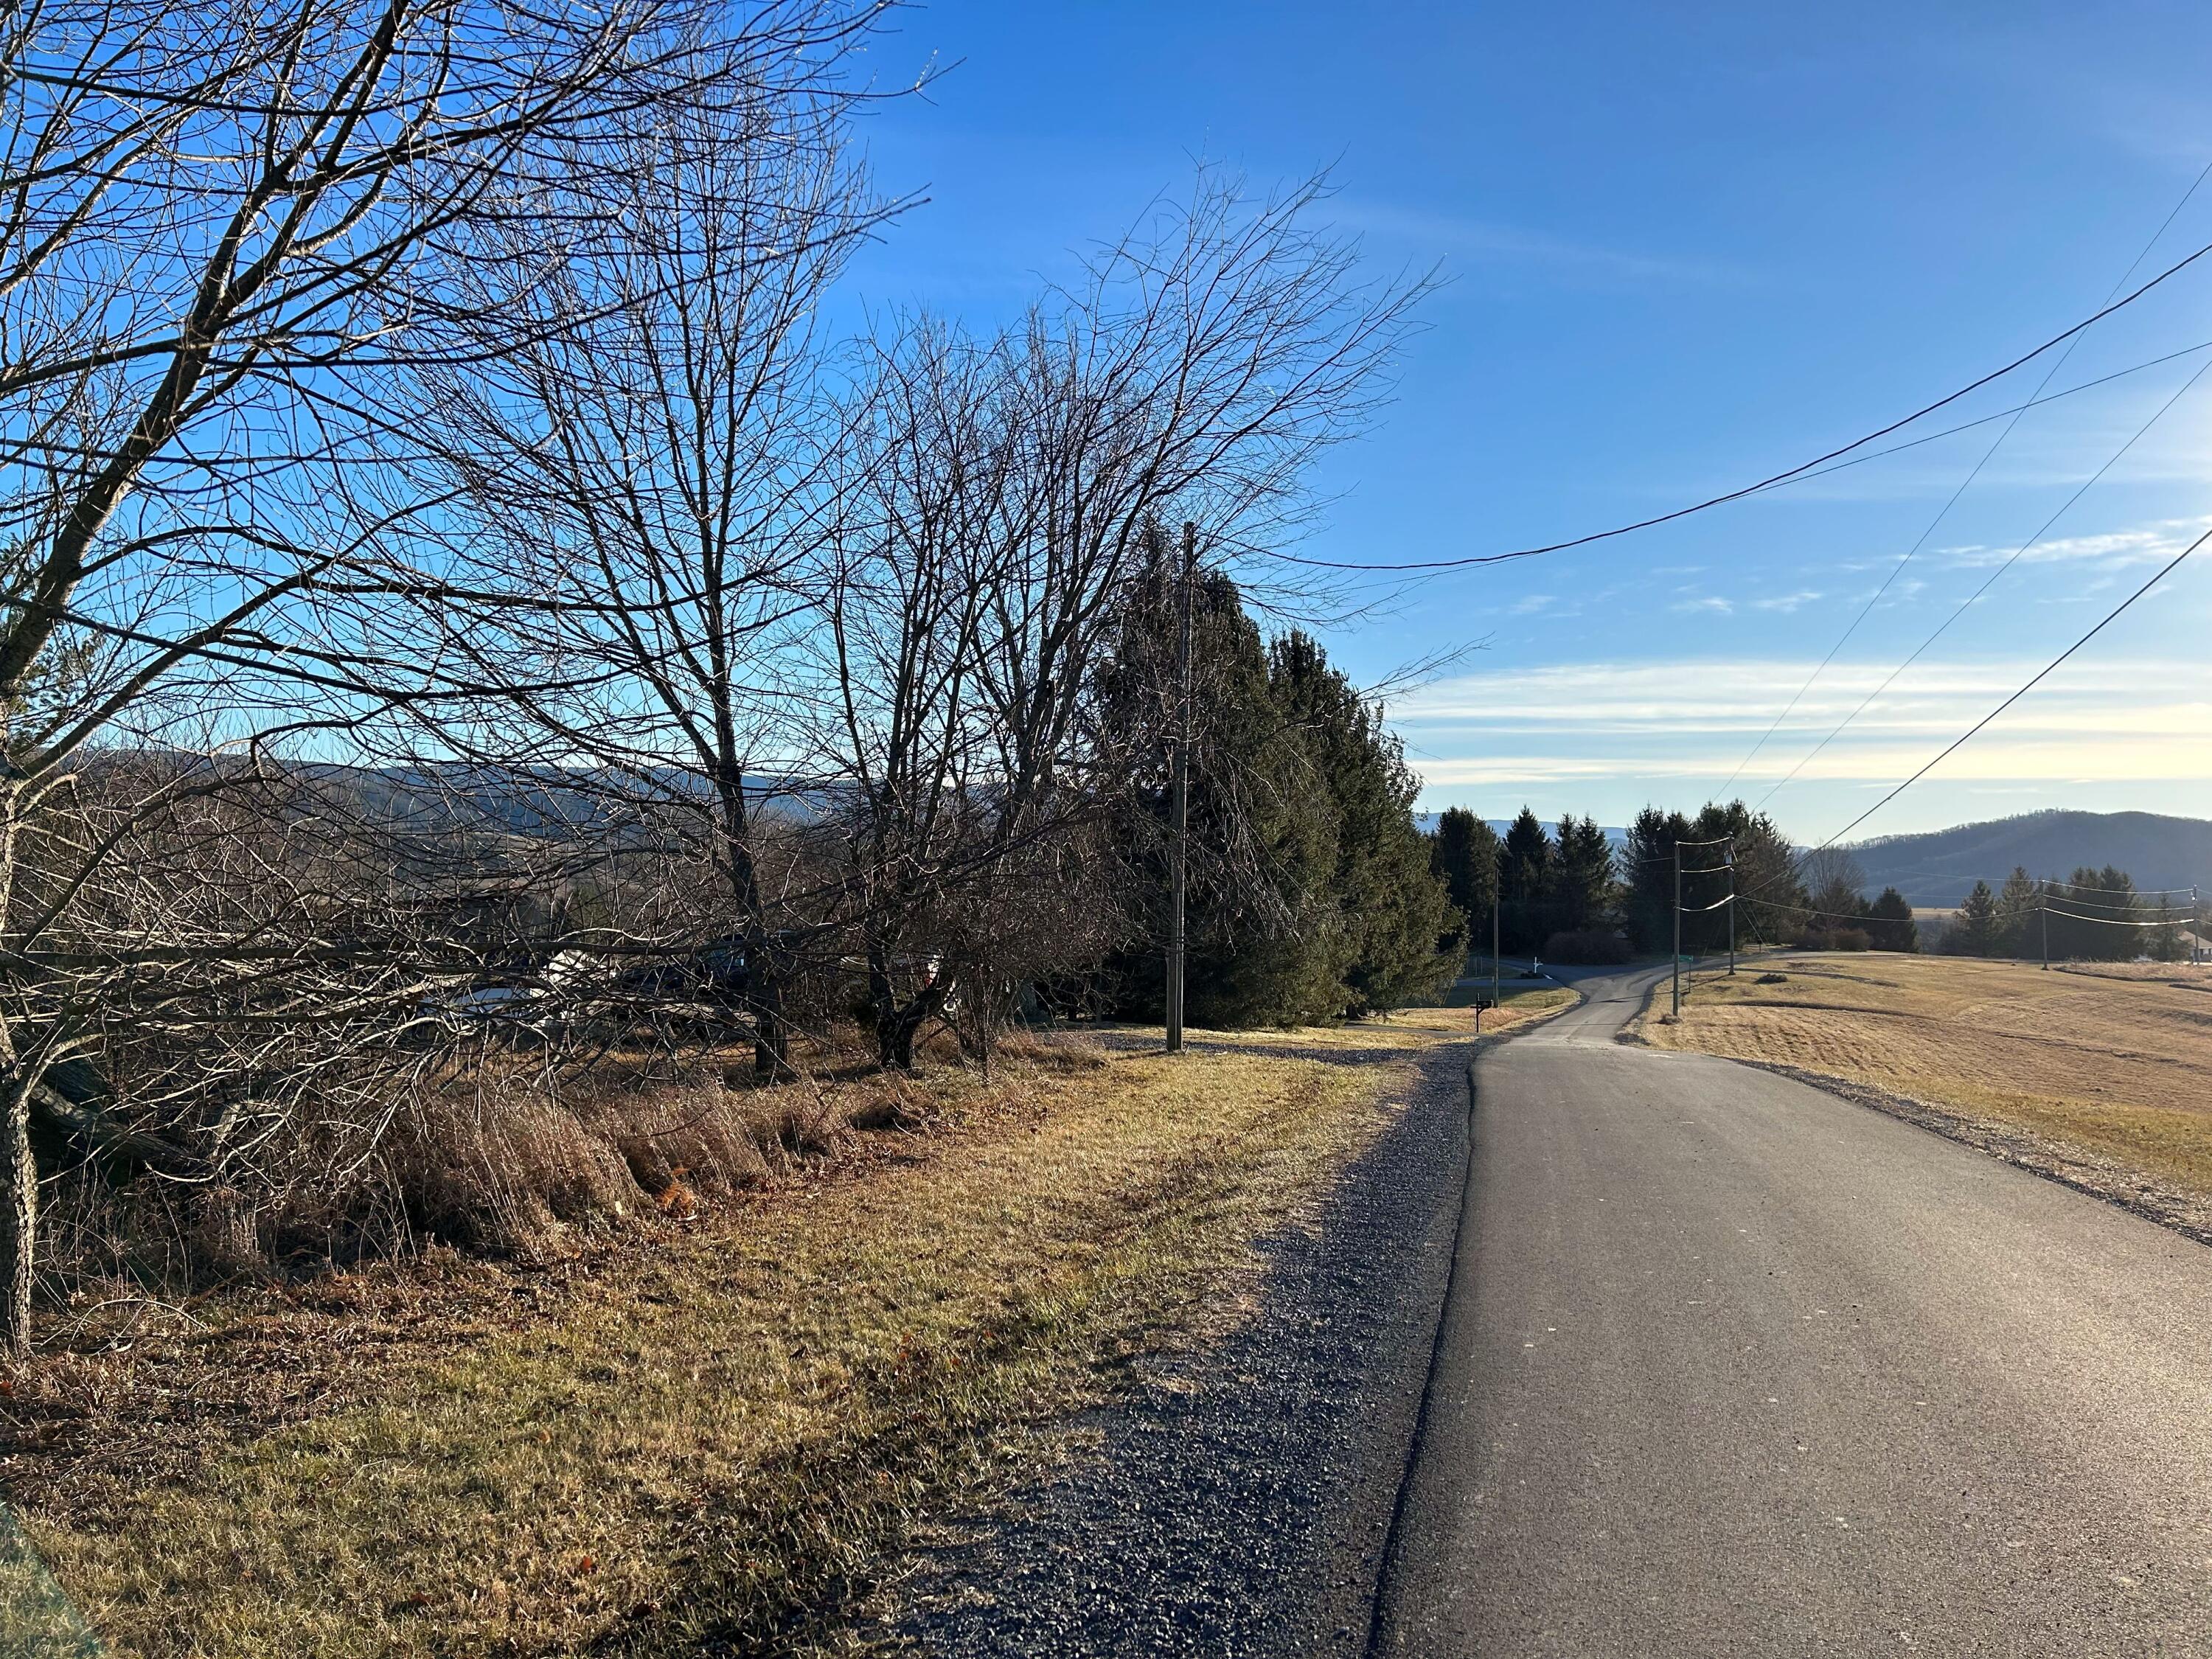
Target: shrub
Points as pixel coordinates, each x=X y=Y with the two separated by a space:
x=1588 y=946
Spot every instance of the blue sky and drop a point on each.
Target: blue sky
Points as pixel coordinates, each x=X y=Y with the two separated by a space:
x=1687 y=247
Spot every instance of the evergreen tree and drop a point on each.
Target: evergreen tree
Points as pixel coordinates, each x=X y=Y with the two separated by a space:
x=1464 y=851
x=1890 y=924
x=2090 y=915
x=1767 y=894
x=2020 y=902
x=1391 y=911
x=1263 y=944
x=1769 y=898
x=1582 y=874
x=1976 y=930
x=1524 y=884
x=1647 y=876
x=1310 y=894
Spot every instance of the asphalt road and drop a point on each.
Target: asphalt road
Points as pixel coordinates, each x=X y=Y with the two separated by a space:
x=1730 y=1366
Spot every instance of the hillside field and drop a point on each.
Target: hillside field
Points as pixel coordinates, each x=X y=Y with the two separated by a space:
x=2100 y=1072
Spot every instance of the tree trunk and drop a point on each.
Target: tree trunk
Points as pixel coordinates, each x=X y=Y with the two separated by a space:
x=19 y=1170
x=19 y=1217
x=897 y=1027
x=771 y=1031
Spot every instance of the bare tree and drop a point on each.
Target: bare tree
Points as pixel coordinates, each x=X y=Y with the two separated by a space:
x=646 y=480
x=1195 y=373
x=221 y=230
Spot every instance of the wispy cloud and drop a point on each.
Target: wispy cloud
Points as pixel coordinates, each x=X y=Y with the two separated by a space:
x=1701 y=720
x=1533 y=603
x=1788 y=603
x=2149 y=544
x=1490 y=241
x=1710 y=602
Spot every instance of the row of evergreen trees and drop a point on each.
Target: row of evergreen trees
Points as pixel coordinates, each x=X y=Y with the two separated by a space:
x=1567 y=881
x=1544 y=882
x=1310 y=892
x=2097 y=916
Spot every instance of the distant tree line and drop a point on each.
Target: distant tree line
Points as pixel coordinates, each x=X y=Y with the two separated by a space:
x=2094 y=916
x=1563 y=893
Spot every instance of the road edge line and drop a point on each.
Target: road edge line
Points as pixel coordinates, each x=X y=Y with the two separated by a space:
x=1962 y=1131
x=1386 y=1566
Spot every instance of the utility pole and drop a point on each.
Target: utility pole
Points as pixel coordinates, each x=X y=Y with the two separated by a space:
x=2044 y=911
x=1179 y=798
x=1497 y=973
x=1678 y=930
x=1731 y=865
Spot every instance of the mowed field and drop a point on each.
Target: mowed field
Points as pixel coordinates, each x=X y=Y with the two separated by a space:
x=2103 y=1064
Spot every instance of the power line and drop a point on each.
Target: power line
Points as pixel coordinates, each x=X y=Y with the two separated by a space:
x=1944 y=512
x=2163 y=570
x=2001 y=414
x=1967 y=603
x=2107 y=921
x=1769 y=483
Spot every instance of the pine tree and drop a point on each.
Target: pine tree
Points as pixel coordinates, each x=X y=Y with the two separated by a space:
x=1264 y=945
x=1647 y=870
x=1464 y=851
x=1392 y=911
x=2018 y=904
x=1977 y=929
x=1583 y=878
x=1890 y=924
x=1311 y=894
x=1524 y=884
x=2091 y=914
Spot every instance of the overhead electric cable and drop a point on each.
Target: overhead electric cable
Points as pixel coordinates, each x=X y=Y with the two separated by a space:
x=1998 y=415
x=1944 y=512
x=2107 y=921
x=1899 y=425
x=2041 y=674
x=1988 y=582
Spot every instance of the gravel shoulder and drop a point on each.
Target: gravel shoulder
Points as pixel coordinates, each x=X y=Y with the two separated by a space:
x=1237 y=1499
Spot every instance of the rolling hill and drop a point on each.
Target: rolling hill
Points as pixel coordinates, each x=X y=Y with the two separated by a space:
x=1939 y=868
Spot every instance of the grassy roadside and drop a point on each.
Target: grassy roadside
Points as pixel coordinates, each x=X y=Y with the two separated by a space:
x=713 y=1434
x=2103 y=1071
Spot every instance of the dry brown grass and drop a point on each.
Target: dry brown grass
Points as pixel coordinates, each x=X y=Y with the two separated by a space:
x=684 y=1437
x=2113 y=1061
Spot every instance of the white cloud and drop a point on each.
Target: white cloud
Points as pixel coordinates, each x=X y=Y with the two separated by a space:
x=1788 y=603
x=2152 y=544
x=1719 y=606
x=2099 y=721
x=1491 y=241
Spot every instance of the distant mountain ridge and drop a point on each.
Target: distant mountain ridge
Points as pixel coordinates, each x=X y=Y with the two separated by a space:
x=1938 y=869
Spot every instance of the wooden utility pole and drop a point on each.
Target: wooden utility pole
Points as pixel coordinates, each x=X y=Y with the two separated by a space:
x=1497 y=973
x=1678 y=930
x=1179 y=798
x=2044 y=911
x=1731 y=908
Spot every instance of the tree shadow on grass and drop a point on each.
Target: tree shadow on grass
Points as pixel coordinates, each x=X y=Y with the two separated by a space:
x=37 y=1620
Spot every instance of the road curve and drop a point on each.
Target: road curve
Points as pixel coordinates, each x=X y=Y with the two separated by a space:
x=1730 y=1366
